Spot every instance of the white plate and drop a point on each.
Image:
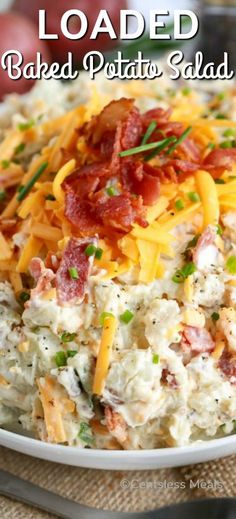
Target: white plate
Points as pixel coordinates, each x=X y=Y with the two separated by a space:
x=121 y=460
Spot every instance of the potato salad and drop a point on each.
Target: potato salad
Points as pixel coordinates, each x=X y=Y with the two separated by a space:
x=118 y=263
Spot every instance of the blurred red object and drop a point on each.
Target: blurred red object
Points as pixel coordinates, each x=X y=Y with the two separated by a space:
x=19 y=33
x=55 y=10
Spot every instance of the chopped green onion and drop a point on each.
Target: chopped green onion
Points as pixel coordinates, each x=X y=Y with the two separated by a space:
x=24 y=296
x=231 y=264
x=126 y=317
x=215 y=316
x=111 y=191
x=24 y=191
x=98 y=253
x=211 y=146
x=60 y=359
x=85 y=433
x=104 y=316
x=155 y=358
x=219 y=229
x=221 y=96
x=179 y=140
x=3 y=195
x=220 y=116
x=219 y=181
x=178 y=277
x=146 y=147
x=20 y=148
x=226 y=144
x=186 y=91
x=179 y=204
x=71 y=353
x=26 y=126
x=50 y=197
x=90 y=250
x=193 y=196
x=73 y=273
x=67 y=337
x=230 y=132
x=188 y=269
x=182 y=274
x=5 y=164
x=151 y=128
x=192 y=243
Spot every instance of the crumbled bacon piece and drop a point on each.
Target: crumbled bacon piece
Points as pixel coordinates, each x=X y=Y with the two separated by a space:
x=43 y=276
x=116 y=425
x=219 y=160
x=227 y=364
x=199 y=340
x=204 y=243
x=73 y=290
x=141 y=179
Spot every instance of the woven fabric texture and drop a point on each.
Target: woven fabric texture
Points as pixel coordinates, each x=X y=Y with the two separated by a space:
x=146 y=490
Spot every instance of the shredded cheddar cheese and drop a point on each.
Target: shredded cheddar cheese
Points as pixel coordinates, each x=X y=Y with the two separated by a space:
x=103 y=359
x=208 y=194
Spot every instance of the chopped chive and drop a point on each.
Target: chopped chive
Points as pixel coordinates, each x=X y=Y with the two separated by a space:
x=219 y=181
x=19 y=148
x=111 y=191
x=219 y=230
x=60 y=359
x=231 y=264
x=19 y=188
x=99 y=253
x=188 y=269
x=67 y=337
x=24 y=296
x=221 y=96
x=179 y=140
x=155 y=358
x=155 y=152
x=178 y=277
x=211 y=146
x=90 y=250
x=5 y=164
x=126 y=317
x=186 y=91
x=151 y=128
x=24 y=191
x=71 y=353
x=85 y=433
x=179 y=204
x=26 y=126
x=104 y=316
x=230 y=132
x=146 y=147
x=193 y=196
x=3 y=195
x=215 y=316
x=192 y=243
x=220 y=116
x=50 y=197
x=73 y=273
x=182 y=274
x=226 y=144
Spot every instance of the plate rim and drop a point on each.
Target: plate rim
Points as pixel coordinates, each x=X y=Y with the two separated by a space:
x=198 y=452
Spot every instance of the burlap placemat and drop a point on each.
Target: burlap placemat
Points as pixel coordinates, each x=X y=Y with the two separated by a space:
x=127 y=491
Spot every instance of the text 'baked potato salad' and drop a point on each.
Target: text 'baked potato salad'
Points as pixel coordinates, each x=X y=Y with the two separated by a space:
x=118 y=263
